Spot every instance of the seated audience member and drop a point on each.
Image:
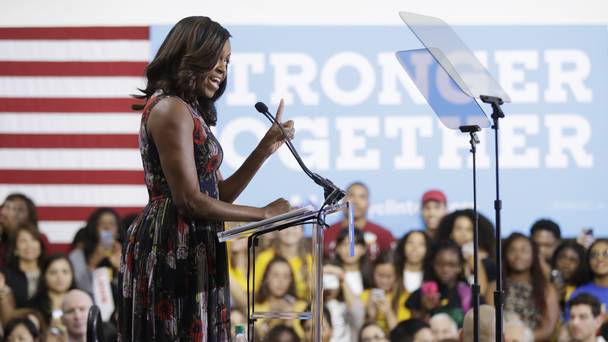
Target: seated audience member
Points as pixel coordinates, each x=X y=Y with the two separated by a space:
x=21 y=329
x=515 y=330
x=326 y=327
x=409 y=261
x=357 y=268
x=17 y=211
x=411 y=330
x=278 y=294
x=347 y=313
x=282 y=333
x=444 y=288
x=22 y=271
x=381 y=302
x=75 y=307
x=546 y=234
x=378 y=239
x=237 y=270
x=527 y=292
x=598 y=264
x=433 y=208
x=95 y=246
x=487 y=324
x=443 y=327
x=458 y=226
x=56 y=279
x=371 y=332
x=586 y=317
x=569 y=269
x=290 y=244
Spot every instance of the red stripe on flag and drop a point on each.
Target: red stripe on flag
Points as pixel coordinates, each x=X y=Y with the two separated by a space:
x=67 y=105
x=69 y=141
x=72 y=68
x=77 y=213
x=106 y=177
x=111 y=32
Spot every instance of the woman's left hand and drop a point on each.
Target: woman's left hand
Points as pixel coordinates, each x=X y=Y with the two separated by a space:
x=273 y=139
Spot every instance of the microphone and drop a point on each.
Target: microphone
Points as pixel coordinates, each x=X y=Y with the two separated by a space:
x=331 y=192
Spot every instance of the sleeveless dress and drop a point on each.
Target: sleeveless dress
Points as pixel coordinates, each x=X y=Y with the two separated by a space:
x=174 y=273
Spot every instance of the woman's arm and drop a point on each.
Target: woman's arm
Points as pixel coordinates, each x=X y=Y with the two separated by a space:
x=232 y=187
x=7 y=301
x=171 y=126
x=550 y=317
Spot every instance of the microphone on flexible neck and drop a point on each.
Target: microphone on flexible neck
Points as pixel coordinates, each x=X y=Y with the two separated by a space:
x=262 y=108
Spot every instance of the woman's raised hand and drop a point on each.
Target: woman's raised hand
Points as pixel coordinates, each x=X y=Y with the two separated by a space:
x=273 y=139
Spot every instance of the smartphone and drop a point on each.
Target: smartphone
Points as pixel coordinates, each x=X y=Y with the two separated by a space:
x=106 y=237
x=377 y=294
x=330 y=281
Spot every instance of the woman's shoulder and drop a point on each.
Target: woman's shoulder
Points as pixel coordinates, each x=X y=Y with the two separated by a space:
x=168 y=110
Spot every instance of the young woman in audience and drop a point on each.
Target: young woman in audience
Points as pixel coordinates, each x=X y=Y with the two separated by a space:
x=21 y=274
x=409 y=260
x=371 y=332
x=444 y=288
x=459 y=226
x=21 y=329
x=569 y=269
x=96 y=245
x=278 y=294
x=598 y=264
x=384 y=304
x=56 y=279
x=290 y=244
x=357 y=269
x=527 y=292
x=346 y=310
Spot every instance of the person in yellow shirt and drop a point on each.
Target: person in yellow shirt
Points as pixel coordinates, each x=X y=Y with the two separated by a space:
x=291 y=245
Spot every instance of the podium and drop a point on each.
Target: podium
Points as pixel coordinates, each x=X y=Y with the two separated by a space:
x=251 y=231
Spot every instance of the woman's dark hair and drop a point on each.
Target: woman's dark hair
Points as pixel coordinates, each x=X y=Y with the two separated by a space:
x=486 y=229
x=88 y=237
x=264 y=292
x=582 y=274
x=326 y=315
x=406 y=330
x=401 y=260
x=12 y=260
x=32 y=215
x=190 y=50
x=589 y=255
x=364 y=264
x=537 y=277
x=275 y=334
x=15 y=322
x=41 y=299
x=429 y=261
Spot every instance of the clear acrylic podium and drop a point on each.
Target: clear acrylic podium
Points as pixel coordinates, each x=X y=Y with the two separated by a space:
x=251 y=231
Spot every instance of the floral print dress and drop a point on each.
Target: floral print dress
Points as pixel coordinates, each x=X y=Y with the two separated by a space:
x=174 y=273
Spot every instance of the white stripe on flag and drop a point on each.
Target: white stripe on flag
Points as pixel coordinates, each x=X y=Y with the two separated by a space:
x=81 y=195
x=89 y=86
x=60 y=231
x=75 y=50
x=70 y=159
x=74 y=123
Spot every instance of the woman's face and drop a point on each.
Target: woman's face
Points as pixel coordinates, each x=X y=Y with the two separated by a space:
x=415 y=248
x=217 y=75
x=567 y=262
x=373 y=333
x=598 y=259
x=13 y=214
x=519 y=255
x=462 y=232
x=59 y=276
x=27 y=247
x=20 y=334
x=107 y=222
x=447 y=266
x=279 y=279
x=384 y=277
x=343 y=251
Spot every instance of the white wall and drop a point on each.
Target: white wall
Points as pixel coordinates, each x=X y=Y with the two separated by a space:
x=305 y=12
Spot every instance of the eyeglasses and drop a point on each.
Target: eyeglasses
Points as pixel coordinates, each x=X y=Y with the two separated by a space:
x=595 y=255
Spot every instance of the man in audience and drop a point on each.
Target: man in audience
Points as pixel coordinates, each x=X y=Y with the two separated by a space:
x=546 y=234
x=516 y=331
x=586 y=317
x=487 y=324
x=434 y=207
x=75 y=306
x=443 y=327
x=377 y=238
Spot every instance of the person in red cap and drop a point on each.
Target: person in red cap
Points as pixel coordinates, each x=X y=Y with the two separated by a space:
x=434 y=207
x=378 y=239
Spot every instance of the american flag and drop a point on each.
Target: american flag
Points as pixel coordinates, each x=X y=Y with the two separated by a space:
x=68 y=137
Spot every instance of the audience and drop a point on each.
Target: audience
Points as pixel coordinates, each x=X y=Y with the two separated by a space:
x=546 y=234
x=346 y=311
x=380 y=303
x=409 y=260
x=517 y=331
x=371 y=332
x=598 y=264
x=21 y=330
x=75 y=307
x=433 y=208
x=443 y=327
x=586 y=317
x=569 y=269
x=357 y=268
x=487 y=324
x=411 y=330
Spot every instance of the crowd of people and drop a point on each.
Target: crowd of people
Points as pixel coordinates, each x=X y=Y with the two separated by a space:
x=414 y=287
